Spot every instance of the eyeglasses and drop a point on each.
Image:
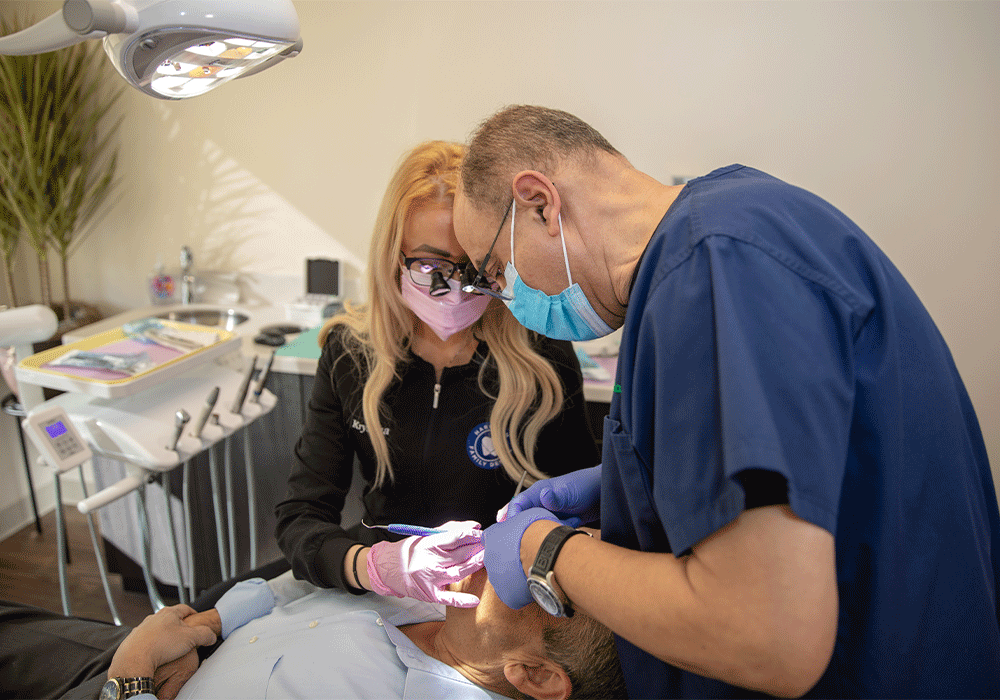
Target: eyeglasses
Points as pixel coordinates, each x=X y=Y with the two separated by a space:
x=483 y=284
x=432 y=272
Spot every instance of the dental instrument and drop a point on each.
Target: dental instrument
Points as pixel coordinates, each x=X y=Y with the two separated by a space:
x=520 y=483
x=206 y=411
x=401 y=529
x=241 y=395
x=129 y=364
x=263 y=378
x=152 y=331
x=181 y=419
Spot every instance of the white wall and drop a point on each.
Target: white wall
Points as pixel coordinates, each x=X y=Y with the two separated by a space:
x=886 y=109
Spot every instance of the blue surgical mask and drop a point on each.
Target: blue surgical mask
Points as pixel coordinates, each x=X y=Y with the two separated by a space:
x=565 y=316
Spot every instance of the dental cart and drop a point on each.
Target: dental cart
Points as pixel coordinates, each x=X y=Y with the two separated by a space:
x=154 y=434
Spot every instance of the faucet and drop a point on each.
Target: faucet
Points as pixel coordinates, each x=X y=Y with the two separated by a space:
x=187 y=279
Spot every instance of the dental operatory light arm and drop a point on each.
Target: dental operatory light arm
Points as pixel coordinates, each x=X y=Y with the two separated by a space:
x=171 y=49
x=78 y=21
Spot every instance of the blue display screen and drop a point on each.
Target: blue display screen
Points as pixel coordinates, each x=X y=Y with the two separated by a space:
x=55 y=429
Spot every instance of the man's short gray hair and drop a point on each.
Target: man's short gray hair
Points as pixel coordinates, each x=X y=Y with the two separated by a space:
x=587 y=651
x=522 y=137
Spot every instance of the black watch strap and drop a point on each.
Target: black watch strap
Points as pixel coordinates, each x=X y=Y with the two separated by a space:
x=545 y=559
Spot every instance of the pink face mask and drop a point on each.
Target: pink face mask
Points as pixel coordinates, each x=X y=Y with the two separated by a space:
x=446 y=314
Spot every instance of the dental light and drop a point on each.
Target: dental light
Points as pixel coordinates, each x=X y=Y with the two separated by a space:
x=172 y=49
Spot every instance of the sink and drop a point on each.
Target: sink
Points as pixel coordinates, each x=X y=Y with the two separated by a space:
x=224 y=318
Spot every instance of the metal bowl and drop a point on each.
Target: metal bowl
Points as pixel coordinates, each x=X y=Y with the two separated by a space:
x=224 y=318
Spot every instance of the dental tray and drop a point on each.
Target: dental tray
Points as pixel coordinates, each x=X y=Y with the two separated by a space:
x=108 y=384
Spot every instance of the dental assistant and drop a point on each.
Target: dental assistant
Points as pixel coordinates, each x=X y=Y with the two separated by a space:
x=443 y=398
x=795 y=496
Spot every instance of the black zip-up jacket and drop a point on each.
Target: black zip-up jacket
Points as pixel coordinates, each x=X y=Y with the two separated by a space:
x=439 y=441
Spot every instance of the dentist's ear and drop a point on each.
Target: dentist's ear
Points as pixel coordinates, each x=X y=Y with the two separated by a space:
x=545 y=681
x=533 y=190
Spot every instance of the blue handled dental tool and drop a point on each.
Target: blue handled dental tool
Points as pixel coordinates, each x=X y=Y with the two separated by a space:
x=401 y=529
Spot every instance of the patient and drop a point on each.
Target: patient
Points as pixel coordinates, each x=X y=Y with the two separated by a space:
x=331 y=644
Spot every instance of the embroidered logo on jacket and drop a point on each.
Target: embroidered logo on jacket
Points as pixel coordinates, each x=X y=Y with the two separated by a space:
x=479 y=445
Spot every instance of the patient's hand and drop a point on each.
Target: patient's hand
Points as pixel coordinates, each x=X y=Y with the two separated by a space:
x=159 y=640
x=209 y=618
x=171 y=677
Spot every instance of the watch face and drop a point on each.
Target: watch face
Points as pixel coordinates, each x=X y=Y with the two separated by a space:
x=111 y=690
x=545 y=597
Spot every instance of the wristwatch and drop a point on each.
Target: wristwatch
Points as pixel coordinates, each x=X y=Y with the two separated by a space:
x=541 y=579
x=121 y=688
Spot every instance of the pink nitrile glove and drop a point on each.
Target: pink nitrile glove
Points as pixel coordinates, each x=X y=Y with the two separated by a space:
x=423 y=567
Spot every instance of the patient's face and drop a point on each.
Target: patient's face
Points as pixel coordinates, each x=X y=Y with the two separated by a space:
x=491 y=624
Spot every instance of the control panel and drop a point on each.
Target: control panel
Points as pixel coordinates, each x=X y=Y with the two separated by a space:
x=56 y=438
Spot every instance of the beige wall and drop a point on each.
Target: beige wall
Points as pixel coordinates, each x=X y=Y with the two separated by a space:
x=887 y=109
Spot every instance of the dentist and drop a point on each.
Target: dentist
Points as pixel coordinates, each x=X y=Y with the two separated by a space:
x=795 y=496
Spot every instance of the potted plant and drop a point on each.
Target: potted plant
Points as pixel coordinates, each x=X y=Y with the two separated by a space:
x=58 y=159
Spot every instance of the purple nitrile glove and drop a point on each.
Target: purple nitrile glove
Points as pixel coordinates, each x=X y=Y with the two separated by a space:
x=503 y=556
x=423 y=567
x=574 y=498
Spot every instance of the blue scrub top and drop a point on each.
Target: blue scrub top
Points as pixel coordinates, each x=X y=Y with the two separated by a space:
x=766 y=331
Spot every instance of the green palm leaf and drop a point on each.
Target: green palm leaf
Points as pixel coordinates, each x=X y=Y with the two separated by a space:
x=58 y=151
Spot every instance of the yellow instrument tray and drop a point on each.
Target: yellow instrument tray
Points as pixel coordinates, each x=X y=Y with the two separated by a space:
x=110 y=385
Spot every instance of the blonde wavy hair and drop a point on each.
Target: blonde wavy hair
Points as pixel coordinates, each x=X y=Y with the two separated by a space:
x=530 y=393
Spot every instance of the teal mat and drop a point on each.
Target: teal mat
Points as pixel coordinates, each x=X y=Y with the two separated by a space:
x=306 y=346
